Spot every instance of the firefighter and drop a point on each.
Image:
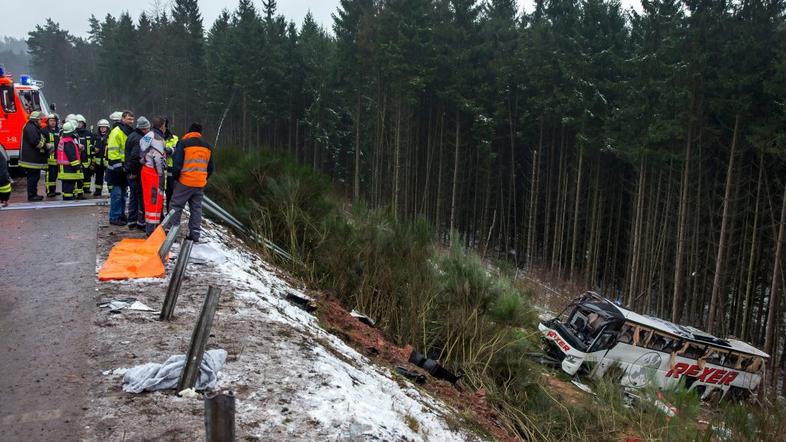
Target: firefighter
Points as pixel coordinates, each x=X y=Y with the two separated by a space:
x=170 y=139
x=33 y=157
x=99 y=156
x=87 y=141
x=115 y=174
x=5 y=178
x=133 y=167
x=115 y=118
x=153 y=174
x=52 y=135
x=69 y=158
x=193 y=165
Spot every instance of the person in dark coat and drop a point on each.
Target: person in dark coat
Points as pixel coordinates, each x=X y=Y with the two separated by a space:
x=33 y=157
x=5 y=179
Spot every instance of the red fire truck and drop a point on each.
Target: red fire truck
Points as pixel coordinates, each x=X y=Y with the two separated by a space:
x=17 y=101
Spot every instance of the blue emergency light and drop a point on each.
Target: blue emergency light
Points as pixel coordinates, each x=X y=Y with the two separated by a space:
x=26 y=80
x=2 y=70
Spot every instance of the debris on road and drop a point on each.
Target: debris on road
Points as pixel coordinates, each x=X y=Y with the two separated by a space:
x=116 y=305
x=433 y=367
x=411 y=375
x=302 y=302
x=583 y=387
x=362 y=318
x=154 y=376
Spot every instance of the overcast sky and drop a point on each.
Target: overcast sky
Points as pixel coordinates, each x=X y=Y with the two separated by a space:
x=22 y=16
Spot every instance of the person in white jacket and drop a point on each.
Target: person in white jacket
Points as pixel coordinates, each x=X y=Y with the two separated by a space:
x=153 y=159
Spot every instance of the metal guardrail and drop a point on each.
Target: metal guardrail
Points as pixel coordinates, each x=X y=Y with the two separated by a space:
x=230 y=220
x=220 y=417
x=173 y=290
x=55 y=205
x=196 y=349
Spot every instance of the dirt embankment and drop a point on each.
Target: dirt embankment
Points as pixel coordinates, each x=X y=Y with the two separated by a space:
x=293 y=380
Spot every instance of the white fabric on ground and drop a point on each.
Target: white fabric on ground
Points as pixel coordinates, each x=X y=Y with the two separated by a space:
x=154 y=376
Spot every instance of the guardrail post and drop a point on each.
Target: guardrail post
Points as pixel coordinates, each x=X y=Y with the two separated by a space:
x=199 y=340
x=170 y=239
x=220 y=417
x=173 y=290
x=167 y=219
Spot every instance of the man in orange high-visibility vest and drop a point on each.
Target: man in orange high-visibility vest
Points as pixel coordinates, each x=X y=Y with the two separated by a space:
x=193 y=165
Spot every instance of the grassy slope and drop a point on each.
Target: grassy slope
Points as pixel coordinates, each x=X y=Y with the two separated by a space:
x=446 y=303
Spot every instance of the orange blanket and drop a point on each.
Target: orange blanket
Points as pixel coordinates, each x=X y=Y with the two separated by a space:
x=135 y=258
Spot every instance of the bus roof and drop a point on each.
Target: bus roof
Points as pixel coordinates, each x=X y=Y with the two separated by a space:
x=685 y=332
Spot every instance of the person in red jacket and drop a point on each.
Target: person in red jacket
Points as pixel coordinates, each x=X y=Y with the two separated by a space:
x=69 y=159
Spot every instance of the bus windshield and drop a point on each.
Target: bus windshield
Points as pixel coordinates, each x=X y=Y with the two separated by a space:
x=588 y=319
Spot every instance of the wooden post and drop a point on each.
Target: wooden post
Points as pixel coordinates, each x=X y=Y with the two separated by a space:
x=177 y=278
x=199 y=340
x=220 y=417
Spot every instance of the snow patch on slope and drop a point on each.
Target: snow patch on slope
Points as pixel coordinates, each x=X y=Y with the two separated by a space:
x=341 y=391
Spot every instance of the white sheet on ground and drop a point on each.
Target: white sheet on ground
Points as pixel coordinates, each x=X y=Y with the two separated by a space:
x=154 y=376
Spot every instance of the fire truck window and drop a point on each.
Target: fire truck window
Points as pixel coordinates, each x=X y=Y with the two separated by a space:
x=7 y=99
x=30 y=101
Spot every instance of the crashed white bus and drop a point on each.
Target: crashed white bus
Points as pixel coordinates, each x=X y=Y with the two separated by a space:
x=592 y=335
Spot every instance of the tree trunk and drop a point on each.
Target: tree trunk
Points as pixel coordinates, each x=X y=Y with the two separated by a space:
x=746 y=315
x=772 y=313
x=679 y=277
x=719 y=260
x=454 y=192
x=533 y=197
x=577 y=200
x=356 y=186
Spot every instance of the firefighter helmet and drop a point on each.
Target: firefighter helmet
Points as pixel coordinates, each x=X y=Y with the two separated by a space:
x=103 y=123
x=116 y=116
x=81 y=119
x=35 y=115
x=53 y=116
x=69 y=127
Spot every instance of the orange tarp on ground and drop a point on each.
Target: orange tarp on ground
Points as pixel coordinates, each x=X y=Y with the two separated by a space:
x=135 y=258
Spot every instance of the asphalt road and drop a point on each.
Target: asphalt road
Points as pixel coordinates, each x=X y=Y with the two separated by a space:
x=47 y=287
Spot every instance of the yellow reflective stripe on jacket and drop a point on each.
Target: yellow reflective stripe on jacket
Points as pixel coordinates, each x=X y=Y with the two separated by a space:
x=5 y=188
x=70 y=175
x=28 y=165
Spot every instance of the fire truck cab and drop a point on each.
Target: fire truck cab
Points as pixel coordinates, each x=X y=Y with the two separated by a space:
x=17 y=102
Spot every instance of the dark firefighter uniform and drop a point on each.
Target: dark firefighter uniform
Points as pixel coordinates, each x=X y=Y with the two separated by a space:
x=52 y=137
x=87 y=141
x=99 y=157
x=5 y=178
x=33 y=157
x=70 y=162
